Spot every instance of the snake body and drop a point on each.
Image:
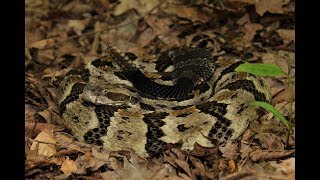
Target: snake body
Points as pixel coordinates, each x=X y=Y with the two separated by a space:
x=183 y=96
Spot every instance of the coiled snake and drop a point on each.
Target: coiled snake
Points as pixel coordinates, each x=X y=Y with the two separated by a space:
x=185 y=95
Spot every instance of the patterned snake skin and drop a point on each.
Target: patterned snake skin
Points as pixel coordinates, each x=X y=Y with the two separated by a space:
x=182 y=96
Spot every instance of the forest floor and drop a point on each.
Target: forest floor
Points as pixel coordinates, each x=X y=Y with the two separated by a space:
x=63 y=35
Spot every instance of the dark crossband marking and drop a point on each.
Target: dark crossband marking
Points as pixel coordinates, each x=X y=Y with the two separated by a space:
x=103 y=113
x=248 y=86
x=213 y=108
x=76 y=90
x=154 y=122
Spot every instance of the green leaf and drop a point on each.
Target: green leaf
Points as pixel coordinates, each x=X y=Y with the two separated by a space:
x=274 y=111
x=260 y=69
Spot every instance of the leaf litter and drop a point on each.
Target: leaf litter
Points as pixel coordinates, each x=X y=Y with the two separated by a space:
x=63 y=35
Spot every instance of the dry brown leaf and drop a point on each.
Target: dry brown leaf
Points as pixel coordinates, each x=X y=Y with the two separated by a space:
x=200 y=169
x=142 y=6
x=52 y=73
x=68 y=166
x=165 y=171
x=134 y=171
x=184 y=165
x=157 y=27
x=42 y=44
x=240 y=175
x=272 y=6
x=285 y=167
x=191 y=13
x=290 y=56
x=84 y=162
x=250 y=30
x=44 y=143
x=265 y=155
x=243 y=1
x=287 y=35
x=62 y=176
x=77 y=25
x=229 y=150
x=232 y=166
x=33 y=159
x=115 y=164
x=203 y=151
x=46 y=115
x=273 y=58
x=284 y=95
x=182 y=176
x=244 y=19
x=63 y=139
x=270 y=141
x=245 y=150
x=286 y=108
x=109 y=175
x=101 y=154
x=68 y=47
x=29 y=127
x=276 y=86
x=45 y=56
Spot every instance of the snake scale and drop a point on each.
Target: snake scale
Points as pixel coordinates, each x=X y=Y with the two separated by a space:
x=184 y=95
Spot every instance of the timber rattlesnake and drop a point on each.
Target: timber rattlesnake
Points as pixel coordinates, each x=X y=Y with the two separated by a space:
x=185 y=95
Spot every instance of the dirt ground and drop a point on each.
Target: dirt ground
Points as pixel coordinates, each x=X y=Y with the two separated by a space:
x=63 y=35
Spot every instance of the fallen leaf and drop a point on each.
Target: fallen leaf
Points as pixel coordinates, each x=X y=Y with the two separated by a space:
x=229 y=150
x=77 y=25
x=46 y=115
x=134 y=171
x=250 y=30
x=240 y=175
x=33 y=159
x=270 y=141
x=126 y=5
x=42 y=44
x=84 y=162
x=275 y=58
x=184 y=165
x=232 y=166
x=286 y=167
x=115 y=165
x=276 y=86
x=29 y=127
x=287 y=35
x=68 y=166
x=164 y=172
x=199 y=169
x=284 y=95
x=101 y=154
x=44 y=143
x=290 y=56
x=159 y=24
x=109 y=175
x=191 y=13
x=244 y=20
x=244 y=1
x=265 y=155
x=203 y=151
x=45 y=57
x=63 y=139
x=173 y=159
x=62 y=176
x=286 y=108
x=272 y=6
x=74 y=7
